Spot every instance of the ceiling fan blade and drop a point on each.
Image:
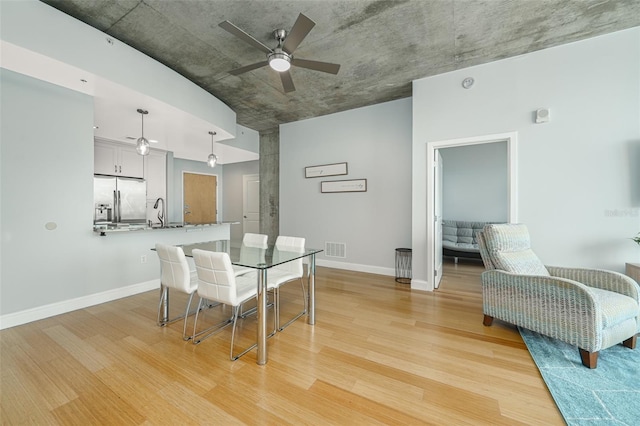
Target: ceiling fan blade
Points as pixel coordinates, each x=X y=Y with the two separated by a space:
x=317 y=65
x=298 y=32
x=247 y=38
x=246 y=68
x=287 y=82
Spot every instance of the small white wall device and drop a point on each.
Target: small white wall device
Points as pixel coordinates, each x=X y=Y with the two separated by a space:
x=542 y=115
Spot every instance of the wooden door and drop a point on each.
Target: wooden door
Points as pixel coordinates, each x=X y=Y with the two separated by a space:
x=200 y=198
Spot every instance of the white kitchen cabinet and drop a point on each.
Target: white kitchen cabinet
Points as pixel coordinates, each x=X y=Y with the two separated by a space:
x=117 y=160
x=156 y=176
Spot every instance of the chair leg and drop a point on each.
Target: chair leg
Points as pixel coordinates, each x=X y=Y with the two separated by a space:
x=488 y=320
x=186 y=316
x=630 y=342
x=208 y=332
x=299 y=314
x=275 y=312
x=236 y=310
x=589 y=359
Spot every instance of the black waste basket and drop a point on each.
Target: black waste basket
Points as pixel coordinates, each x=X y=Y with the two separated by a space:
x=403 y=265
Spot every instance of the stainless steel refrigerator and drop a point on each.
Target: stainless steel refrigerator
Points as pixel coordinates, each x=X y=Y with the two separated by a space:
x=119 y=199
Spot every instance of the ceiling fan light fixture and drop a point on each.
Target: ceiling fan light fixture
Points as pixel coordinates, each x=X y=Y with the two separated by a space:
x=142 y=144
x=279 y=61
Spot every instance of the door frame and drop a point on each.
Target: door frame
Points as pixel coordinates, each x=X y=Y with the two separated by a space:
x=218 y=207
x=512 y=185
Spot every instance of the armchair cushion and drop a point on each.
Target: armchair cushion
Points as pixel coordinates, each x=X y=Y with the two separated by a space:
x=509 y=249
x=616 y=307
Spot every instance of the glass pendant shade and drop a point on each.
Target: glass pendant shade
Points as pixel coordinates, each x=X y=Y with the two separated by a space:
x=142 y=146
x=213 y=160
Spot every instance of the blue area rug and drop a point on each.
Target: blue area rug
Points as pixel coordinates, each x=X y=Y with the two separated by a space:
x=608 y=395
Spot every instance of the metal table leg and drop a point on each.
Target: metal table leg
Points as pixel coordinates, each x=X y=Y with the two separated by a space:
x=262 y=317
x=164 y=308
x=312 y=290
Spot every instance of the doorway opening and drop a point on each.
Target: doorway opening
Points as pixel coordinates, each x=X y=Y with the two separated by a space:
x=434 y=193
x=473 y=193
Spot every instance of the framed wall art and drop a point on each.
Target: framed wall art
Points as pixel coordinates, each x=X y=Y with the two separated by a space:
x=351 y=185
x=335 y=169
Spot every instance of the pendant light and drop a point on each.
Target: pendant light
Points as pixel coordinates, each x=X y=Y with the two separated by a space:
x=142 y=145
x=213 y=159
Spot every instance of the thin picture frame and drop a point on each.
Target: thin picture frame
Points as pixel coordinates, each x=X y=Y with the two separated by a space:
x=349 y=185
x=335 y=169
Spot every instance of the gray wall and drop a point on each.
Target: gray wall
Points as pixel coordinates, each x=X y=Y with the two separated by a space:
x=233 y=192
x=375 y=141
x=475 y=182
x=577 y=181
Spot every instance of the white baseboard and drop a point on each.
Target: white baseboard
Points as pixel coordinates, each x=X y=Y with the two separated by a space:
x=357 y=267
x=415 y=284
x=46 y=311
x=421 y=285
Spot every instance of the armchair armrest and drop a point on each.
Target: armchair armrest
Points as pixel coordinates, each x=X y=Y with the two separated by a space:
x=556 y=307
x=599 y=278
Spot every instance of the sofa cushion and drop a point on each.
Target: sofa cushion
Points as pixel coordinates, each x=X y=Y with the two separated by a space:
x=509 y=248
x=461 y=235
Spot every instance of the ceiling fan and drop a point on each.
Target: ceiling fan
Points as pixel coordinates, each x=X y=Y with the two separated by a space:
x=281 y=57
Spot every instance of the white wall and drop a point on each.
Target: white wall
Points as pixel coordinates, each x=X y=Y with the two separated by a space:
x=375 y=141
x=475 y=182
x=577 y=179
x=46 y=175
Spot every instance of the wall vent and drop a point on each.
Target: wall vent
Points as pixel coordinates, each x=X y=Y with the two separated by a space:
x=335 y=249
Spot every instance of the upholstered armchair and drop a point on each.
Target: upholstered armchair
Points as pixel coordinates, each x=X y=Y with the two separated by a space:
x=591 y=309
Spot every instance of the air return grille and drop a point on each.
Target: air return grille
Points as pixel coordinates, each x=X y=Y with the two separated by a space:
x=335 y=249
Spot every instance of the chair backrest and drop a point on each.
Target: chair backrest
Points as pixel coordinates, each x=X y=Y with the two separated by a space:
x=484 y=253
x=253 y=248
x=508 y=247
x=216 y=279
x=255 y=240
x=174 y=268
x=294 y=244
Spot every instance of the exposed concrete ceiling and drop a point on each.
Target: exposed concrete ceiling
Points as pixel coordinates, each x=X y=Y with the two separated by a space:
x=381 y=45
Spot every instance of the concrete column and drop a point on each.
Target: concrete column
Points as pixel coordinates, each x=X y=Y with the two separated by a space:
x=270 y=183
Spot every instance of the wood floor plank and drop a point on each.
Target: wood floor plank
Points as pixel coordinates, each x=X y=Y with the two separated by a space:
x=379 y=353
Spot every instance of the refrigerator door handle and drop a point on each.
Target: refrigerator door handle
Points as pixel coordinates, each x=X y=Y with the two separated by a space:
x=119 y=207
x=116 y=207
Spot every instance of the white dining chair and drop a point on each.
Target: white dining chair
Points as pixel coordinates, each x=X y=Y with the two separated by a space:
x=175 y=274
x=252 y=250
x=279 y=275
x=217 y=282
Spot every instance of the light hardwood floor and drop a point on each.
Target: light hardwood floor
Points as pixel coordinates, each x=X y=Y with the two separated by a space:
x=378 y=354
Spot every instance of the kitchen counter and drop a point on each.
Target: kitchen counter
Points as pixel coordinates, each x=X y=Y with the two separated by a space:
x=104 y=229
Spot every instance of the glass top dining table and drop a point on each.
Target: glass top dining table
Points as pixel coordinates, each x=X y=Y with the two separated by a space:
x=262 y=259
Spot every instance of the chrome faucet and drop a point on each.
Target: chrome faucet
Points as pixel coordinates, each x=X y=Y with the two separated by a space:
x=161 y=212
